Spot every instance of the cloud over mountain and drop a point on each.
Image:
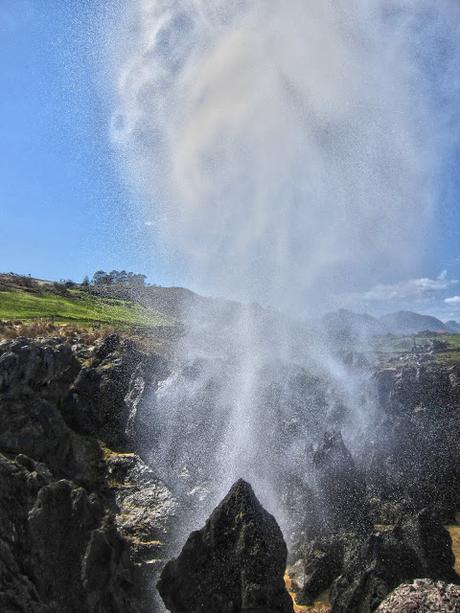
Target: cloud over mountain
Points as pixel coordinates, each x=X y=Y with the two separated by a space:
x=410 y=289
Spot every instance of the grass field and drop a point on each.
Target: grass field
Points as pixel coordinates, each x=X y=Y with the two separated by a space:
x=77 y=306
x=452 y=352
x=393 y=347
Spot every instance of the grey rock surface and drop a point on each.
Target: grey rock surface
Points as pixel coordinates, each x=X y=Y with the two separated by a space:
x=423 y=596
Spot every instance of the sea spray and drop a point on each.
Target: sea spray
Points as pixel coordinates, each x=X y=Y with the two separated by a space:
x=289 y=153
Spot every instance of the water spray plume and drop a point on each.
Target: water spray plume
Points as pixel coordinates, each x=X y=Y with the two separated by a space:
x=289 y=152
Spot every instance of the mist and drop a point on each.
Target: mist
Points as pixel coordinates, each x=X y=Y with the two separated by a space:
x=289 y=153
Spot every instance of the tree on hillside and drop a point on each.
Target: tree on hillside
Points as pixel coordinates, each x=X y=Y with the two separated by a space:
x=67 y=283
x=136 y=280
x=116 y=277
x=100 y=278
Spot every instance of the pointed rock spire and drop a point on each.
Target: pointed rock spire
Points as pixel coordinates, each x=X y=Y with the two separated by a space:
x=234 y=564
x=341 y=487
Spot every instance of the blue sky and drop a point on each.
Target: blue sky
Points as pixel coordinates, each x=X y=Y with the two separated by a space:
x=65 y=211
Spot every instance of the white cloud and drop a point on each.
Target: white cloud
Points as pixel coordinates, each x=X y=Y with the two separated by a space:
x=443 y=275
x=410 y=289
x=148 y=223
x=426 y=295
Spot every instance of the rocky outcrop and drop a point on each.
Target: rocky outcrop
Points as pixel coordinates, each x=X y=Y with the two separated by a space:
x=82 y=527
x=335 y=515
x=105 y=398
x=407 y=475
x=361 y=570
x=47 y=368
x=320 y=565
x=415 y=547
x=34 y=378
x=85 y=522
x=413 y=455
x=341 y=489
x=146 y=509
x=423 y=596
x=411 y=386
x=234 y=564
x=58 y=551
x=79 y=561
x=18 y=487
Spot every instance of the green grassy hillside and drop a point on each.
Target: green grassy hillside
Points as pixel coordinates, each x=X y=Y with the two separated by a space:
x=77 y=306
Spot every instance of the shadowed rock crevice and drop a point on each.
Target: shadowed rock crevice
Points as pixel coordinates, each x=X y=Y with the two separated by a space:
x=416 y=547
x=235 y=563
x=82 y=527
x=360 y=570
x=343 y=553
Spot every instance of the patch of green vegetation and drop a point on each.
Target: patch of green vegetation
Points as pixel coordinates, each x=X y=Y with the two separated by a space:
x=453 y=340
x=77 y=306
x=389 y=347
x=451 y=353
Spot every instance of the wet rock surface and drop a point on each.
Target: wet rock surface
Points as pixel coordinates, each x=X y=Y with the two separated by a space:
x=86 y=523
x=405 y=480
x=413 y=459
x=105 y=398
x=235 y=563
x=423 y=596
x=361 y=570
x=416 y=547
x=82 y=526
x=340 y=487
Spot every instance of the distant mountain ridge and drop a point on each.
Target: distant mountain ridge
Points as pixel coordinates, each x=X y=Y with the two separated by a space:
x=345 y=322
x=453 y=326
x=408 y=322
x=353 y=324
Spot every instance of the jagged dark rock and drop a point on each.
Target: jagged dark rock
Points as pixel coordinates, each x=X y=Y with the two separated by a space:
x=95 y=403
x=18 y=486
x=321 y=564
x=413 y=457
x=411 y=463
x=433 y=386
x=140 y=397
x=81 y=513
x=423 y=596
x=342 y=502
x=77 y=560
x=146 y=508
x=416 y=547
x=105 y=398
x=360 y=570
x=28 y=367
x=48 y=557
x=34 y=378
x=82 y=527
x=234 y=564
